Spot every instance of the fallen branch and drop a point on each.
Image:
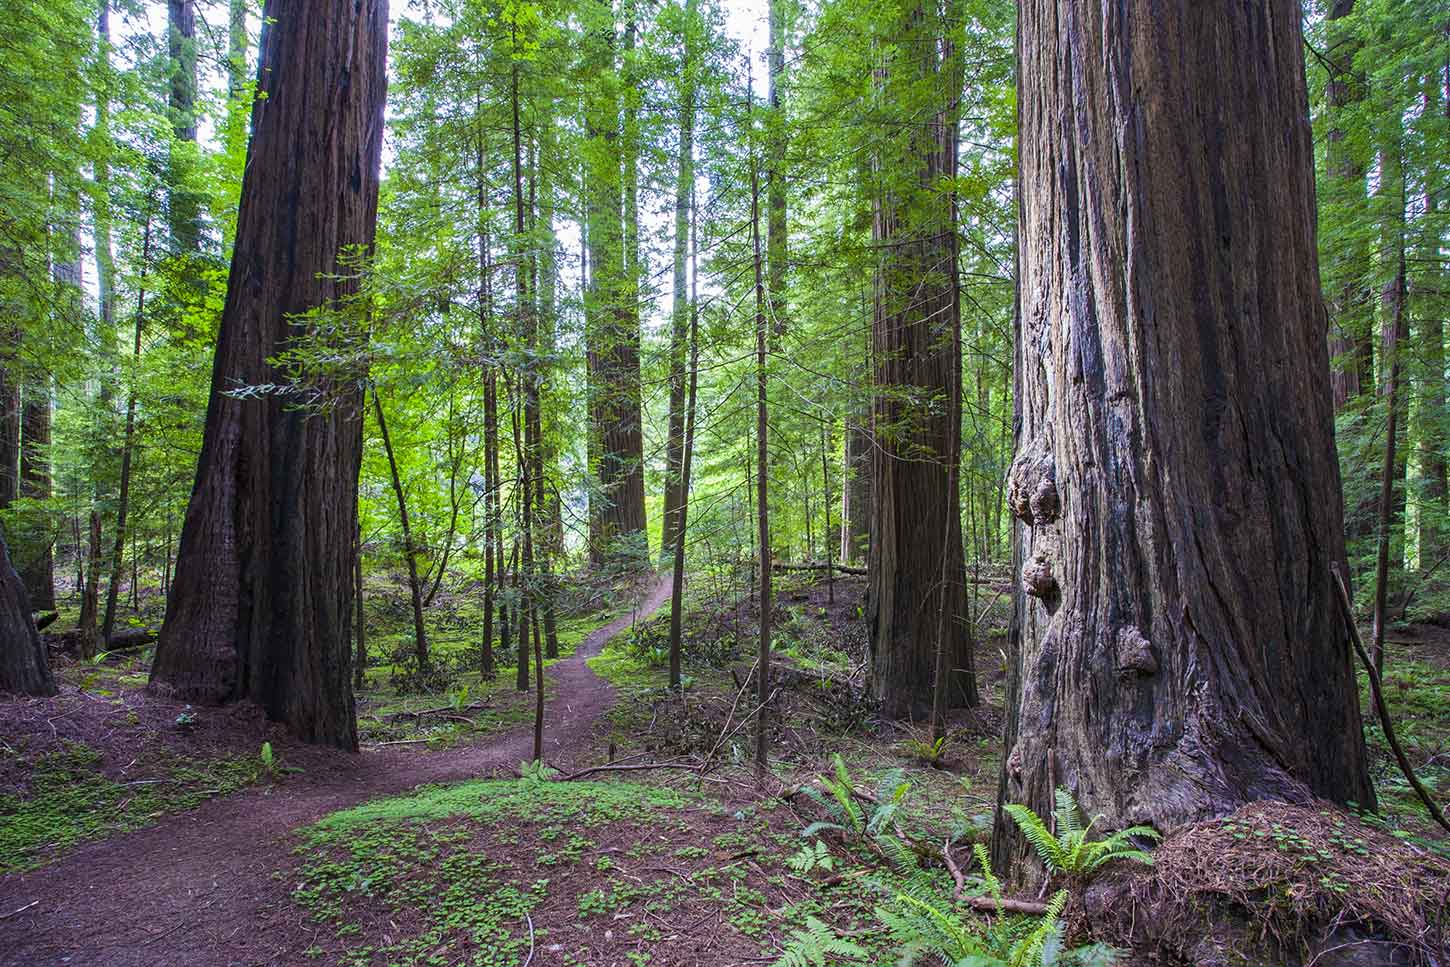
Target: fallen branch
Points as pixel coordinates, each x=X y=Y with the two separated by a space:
x=445 y=710
x=1379 y=701
x=956 y=871
x=815 y=566
x=640 y=767
x=46 y=620
x=989 y=904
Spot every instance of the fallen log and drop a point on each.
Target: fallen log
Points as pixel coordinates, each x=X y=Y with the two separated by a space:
x=45 y=620
x=69 y=642
x=816 y=566
x=445 y=710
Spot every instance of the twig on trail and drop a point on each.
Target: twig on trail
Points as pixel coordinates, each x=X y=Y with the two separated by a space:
x=7 y=916
x=430 y=738
x=1379 y=700
x=639 y=767
x=531 y=938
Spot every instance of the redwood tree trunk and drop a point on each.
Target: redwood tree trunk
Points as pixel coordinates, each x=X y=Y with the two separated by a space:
x=917 y=567
x=37 y=567
x=612 y=327
x=1175 y=646
x=1350 y=346
x=23 y=666
x=261 y=607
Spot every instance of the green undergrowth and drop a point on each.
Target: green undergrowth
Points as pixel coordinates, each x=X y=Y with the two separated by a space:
x=598 y=872
x=466 y=872
x=506 y=709
x=69 y=800
x=1418 y=695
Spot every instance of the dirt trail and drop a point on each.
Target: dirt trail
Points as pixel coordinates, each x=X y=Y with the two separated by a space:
x=198 y=889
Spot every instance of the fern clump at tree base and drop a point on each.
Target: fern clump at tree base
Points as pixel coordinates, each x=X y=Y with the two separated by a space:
x=1070 y=852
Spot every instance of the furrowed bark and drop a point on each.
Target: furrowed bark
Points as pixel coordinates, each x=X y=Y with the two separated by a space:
x=1176 y=649
x=261 y=605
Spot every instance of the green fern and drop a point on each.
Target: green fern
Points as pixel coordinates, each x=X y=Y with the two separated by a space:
x=1071 y=852
x=813 y=944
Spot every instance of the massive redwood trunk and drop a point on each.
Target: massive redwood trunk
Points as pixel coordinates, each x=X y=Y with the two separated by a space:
x=23 y=666
x=1176 y=646
x=262 y=603
x=917 y=601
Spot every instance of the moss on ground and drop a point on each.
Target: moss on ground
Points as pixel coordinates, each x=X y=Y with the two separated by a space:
x=69 y=800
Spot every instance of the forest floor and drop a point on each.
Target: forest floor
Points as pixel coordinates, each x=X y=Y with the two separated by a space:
x=140 y=832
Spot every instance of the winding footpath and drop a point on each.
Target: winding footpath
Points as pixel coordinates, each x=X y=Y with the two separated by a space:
x=200 y=889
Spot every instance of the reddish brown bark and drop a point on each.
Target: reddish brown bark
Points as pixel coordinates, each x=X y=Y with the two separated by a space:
x=261 y=606
x=917 y=602
x=1176 y=648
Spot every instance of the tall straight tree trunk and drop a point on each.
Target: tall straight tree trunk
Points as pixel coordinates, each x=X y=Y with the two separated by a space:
x=493 y=564
x=261 y=606
x=123 y=500
x=677 y=592
x=548 y=510
x=1435 y=489
x=184 y=201
x=91 y=589
x=612 y=326
x=1350 y=346
x=856 y=489
x=675 y=484
x=1391 y=502
x=1175 y=646
x=101 y=171
x=37 y=568
x=23 y=664
x=762 y=478
x=410 y=550
x=917 y=565
x=360 y=627
x=776 y=229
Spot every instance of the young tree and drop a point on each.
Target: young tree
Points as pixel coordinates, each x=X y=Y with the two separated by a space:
x=262 y=602
x=1176 y=649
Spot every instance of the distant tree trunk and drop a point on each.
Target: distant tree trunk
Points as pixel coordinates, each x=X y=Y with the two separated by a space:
x=101 y=171
x=1350 y=346
x=493 y=564
x=24 y=667
x=38 y=567
x=1176 y=650
x=123 y=502
x=360 y=627
x=185 y=205
x=612 y=327
x=410 y=550
x=1435 y=489
x=237 y=42
x=261 y=606
x=91 y=589
x=856 y=488
x=675 y=483
x=777 y=239
x=917 y=564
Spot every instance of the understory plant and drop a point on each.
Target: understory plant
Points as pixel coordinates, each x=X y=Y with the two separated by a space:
x=1070 y=852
